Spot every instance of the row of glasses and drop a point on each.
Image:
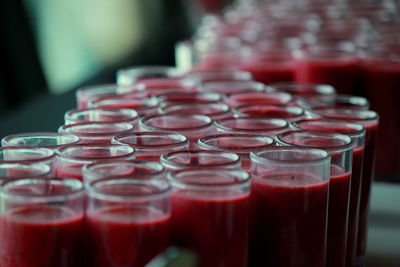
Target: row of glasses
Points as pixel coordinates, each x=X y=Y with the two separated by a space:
x=231 y=138
x=351 y=45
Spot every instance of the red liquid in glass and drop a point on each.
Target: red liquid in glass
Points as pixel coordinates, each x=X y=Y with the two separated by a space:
x=339 y=194
x=153 y=158
x=381 y=85
x=341 y=74
x=74 y=172
x=40 y=236
x=217 y=61
x=215 y=228
x=289 y=221
x=367 y=176
x=126 y=236
x=270 y=72
x=355 y=188
x=236 y=100
x=270 y=112
x=165 y=85
x=354 y=207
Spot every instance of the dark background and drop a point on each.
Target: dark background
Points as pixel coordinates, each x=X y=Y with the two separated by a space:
x=27 y=102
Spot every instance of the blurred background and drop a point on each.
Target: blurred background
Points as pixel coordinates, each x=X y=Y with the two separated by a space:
x=49 y=48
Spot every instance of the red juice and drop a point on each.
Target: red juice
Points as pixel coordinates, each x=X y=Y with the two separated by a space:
x=40 y=236
x=340 y=73
x=355 y=184
x=213 y=227
x=148 y=157
x=370 y=121
x=71 y=159
x=238 y=99
x=354 y=207
x=381 y=84
x=125 y=236
x=289 y=220
x=144 y=106
x=267 y=72
x=217 y=61
x=271 y=111
x=339 y=190
x=70 y=171
x=158 y=86
x=367 y=177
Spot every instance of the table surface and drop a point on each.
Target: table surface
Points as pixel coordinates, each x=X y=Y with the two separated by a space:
x=384 y=226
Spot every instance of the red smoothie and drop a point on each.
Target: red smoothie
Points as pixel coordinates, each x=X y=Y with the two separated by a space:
x=214 y=227
x=193 y=126
x=271 y=111
x=339 y=190
x=144 y=106
x=381 y=84
x=158 y=86
x=370 y=121
x=239 y=99
x=268 y=71
x=354 y=208
x=339 y=72
x=289 y=220
x=71 y=171
x=218 y=61
x=125 y=236
x=367 y=177
x=231 y=87
x=357 y=164
x=40 y=236
x=149 y=157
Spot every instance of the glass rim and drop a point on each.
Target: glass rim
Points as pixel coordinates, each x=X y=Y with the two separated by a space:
x=153 y=69
x=357 y=114
x=324 y=89
x=166 y=158
x=87 y=90
x=225 y=108
x=180 y=140
x=357 y=132
x=323 y=155
x=280 y=124
x=73 y=183
x=46 y=153
x=111 y=100
x=284 y=96
x=93 y=192
x=279 y=94
x=329 y=53
x=61 y=151
x=163 y=98
x=207 y=74
x=182 y=81
x=125 y=127
x=357 y=101
x=45 y=170
x=298 y=110
x=238 y=149
x=124 y=111
x=347 y=142
x=7 y=141
x=254 y=85
x=209 y=122
x=242 y=179
x=90 y=169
